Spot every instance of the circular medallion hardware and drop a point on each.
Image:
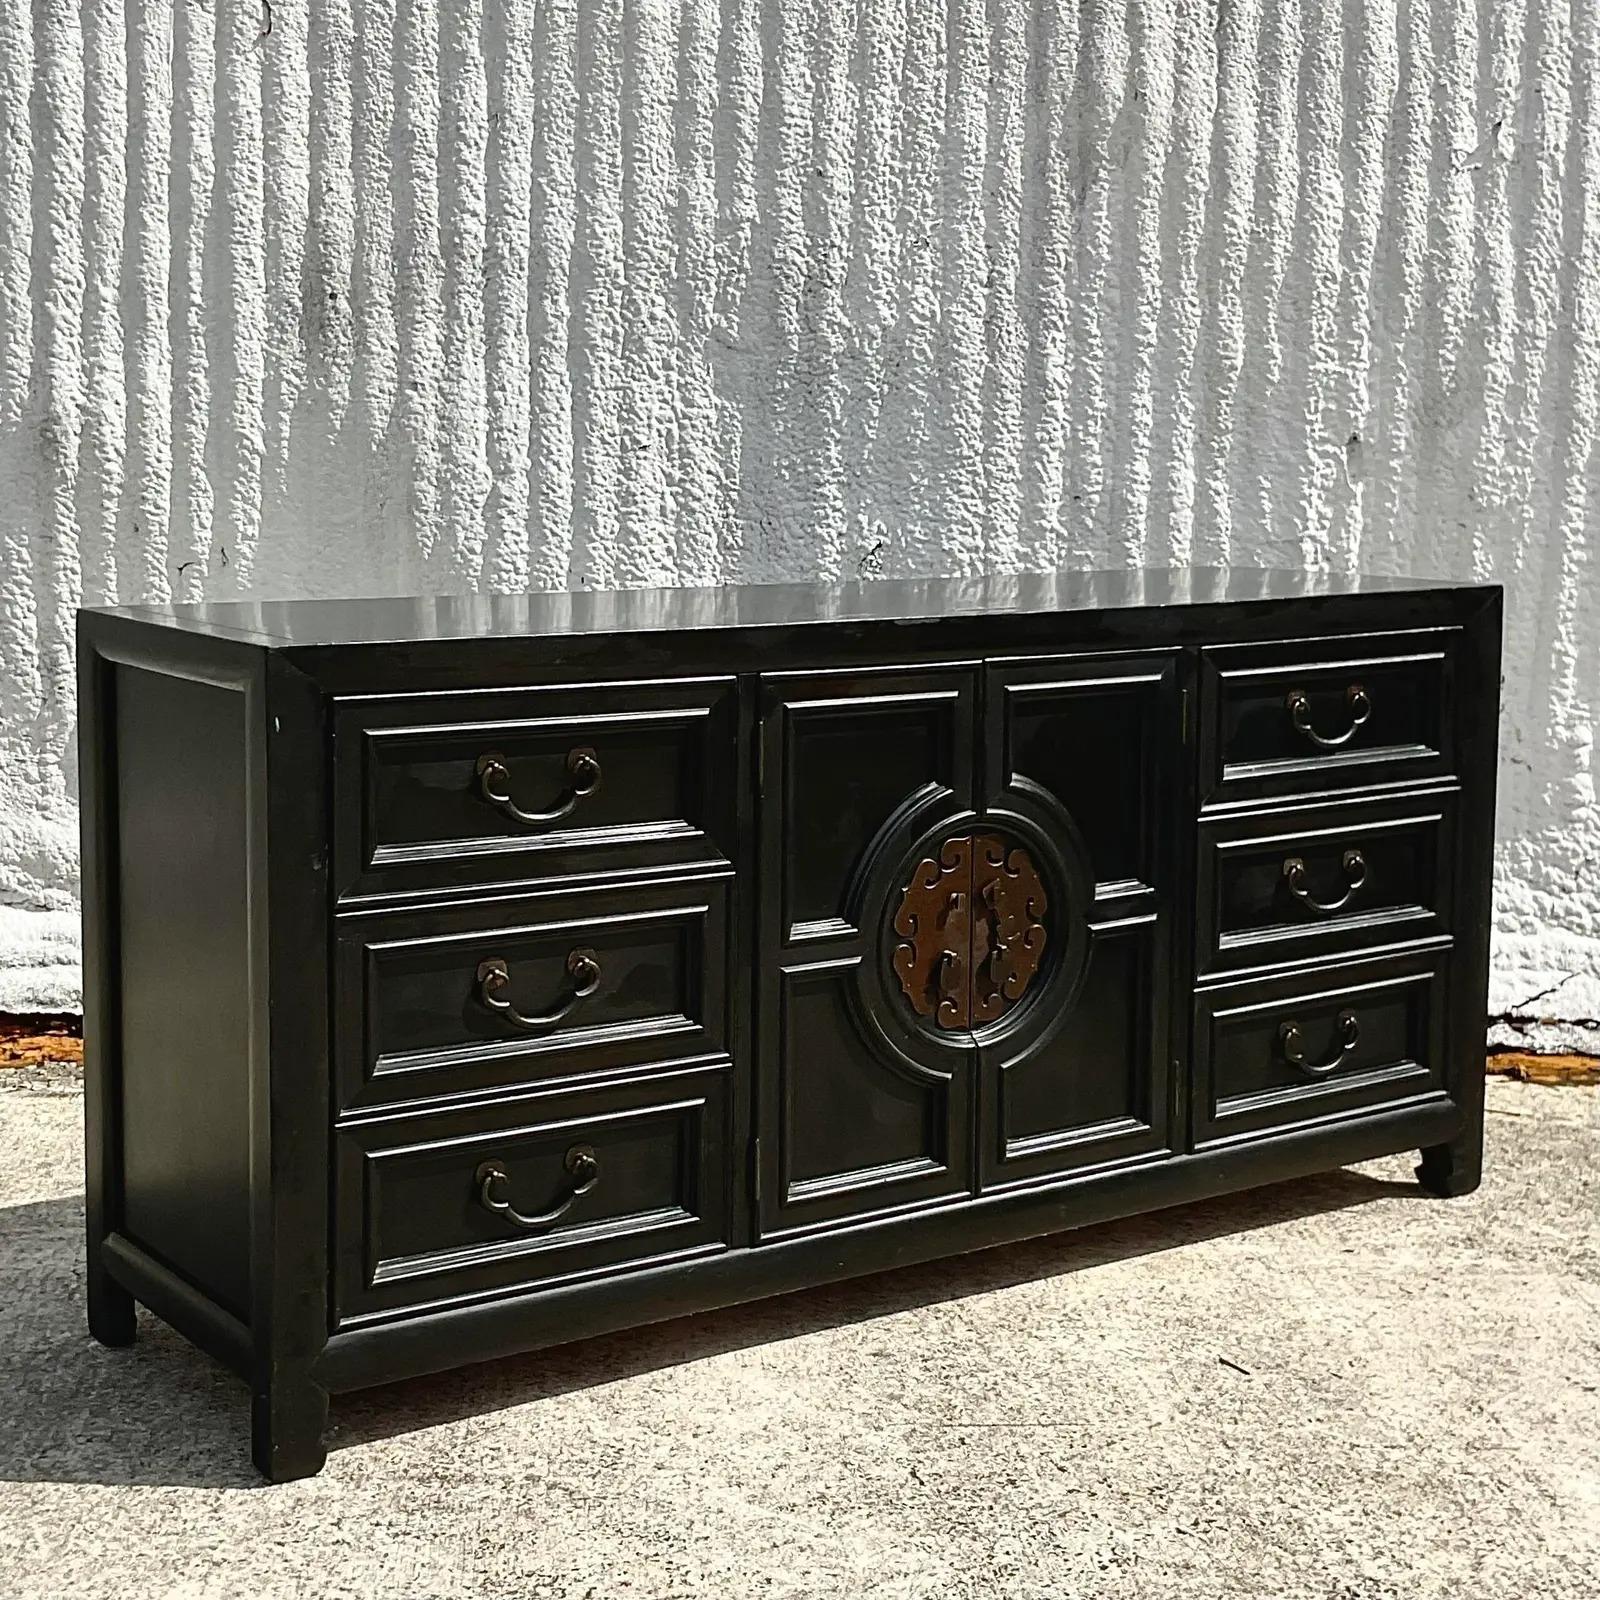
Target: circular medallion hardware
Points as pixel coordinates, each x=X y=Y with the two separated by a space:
x=970 y=931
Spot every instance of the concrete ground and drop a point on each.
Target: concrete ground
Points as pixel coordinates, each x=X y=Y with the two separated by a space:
x=1336 y=1388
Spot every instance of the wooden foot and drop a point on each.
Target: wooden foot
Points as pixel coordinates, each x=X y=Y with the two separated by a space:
x=111 y=1316
x=287 y=1423
x=1448 y=1170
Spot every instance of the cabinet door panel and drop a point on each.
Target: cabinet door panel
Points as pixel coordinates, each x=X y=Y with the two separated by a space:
x=1089 y=747
x=844 y=753
x=1087 y=1076
x=853 y=1120
x=855 y=767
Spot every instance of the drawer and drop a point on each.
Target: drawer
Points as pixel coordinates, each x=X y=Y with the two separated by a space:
x=477 y=1202
x=459 y=999
x=1325 y=714
x=1277 y=1052
x=1307 y=883
x=457 y=790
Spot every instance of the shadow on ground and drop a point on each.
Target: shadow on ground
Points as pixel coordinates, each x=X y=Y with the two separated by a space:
x=163 y=1413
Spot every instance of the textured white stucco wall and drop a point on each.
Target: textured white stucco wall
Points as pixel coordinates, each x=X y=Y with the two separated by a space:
x=417 y=294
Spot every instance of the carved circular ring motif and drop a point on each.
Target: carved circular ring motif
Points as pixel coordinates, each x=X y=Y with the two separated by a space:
x=970 y=931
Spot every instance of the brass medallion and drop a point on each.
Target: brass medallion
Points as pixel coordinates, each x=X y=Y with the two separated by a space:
x=1007 y=927
x=971 y=931
x=934 y=924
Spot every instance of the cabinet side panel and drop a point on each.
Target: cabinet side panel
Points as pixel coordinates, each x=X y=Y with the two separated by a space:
x=184 y=913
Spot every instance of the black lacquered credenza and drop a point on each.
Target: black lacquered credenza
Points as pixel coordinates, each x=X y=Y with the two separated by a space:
x=472 y=974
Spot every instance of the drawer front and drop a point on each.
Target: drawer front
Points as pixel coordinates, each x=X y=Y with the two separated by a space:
x=450 y=791
x=459 y=999
x=1278 y=1052
x=1325 y=714
x=438 y=1209
x=1303 y=885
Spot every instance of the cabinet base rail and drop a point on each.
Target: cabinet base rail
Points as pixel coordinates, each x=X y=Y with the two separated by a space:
x=459 y=1335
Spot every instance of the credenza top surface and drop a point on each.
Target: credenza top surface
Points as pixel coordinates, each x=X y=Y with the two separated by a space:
x=314 y=623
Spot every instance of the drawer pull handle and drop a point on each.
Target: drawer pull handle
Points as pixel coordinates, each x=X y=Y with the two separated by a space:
x=491 y=1177
x=1355 y=875
x=583 y=966
x=1299 y=703
x=1294 y=1050
x=494 y=784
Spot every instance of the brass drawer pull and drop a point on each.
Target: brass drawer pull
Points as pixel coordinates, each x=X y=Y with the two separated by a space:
x=1299 y=704
x=494 y=975
x=1294 y=1050
x=1355 y=875
x=581 y=1162
x=494 y=784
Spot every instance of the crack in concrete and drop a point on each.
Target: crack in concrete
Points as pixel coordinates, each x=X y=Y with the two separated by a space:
x=1543 y=994
x=1530 y=1024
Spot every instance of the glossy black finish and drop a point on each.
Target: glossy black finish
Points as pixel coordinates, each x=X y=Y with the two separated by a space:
x=1335 y=713
x=421 y=791
x=413 y=1228
x=1277 y=1050
x=569 y=616
x=184 y=982
x=410 y=1018
x=547 y=942
x=1304 y=880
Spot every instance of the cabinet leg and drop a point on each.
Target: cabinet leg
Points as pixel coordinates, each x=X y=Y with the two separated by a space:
x=111 y=1318
x=287 y=1422
x=1453 y=1169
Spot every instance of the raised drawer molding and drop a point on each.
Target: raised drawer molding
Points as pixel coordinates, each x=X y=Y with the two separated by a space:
x=468 y=975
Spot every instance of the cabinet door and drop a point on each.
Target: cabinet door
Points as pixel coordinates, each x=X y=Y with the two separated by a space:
x=862 y=1108
x=1089 y=750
